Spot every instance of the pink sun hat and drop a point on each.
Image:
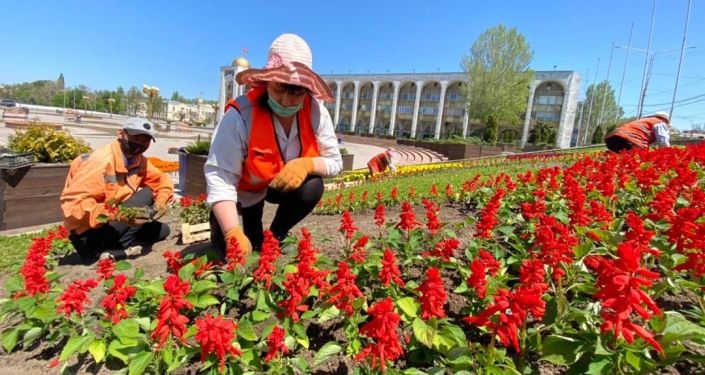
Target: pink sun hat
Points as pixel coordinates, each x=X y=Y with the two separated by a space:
x=289 y=61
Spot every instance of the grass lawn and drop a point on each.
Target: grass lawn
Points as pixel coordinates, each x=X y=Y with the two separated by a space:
x=14 y=248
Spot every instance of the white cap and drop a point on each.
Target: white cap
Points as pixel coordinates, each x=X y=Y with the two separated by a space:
x=139 y=125
x=663 y=114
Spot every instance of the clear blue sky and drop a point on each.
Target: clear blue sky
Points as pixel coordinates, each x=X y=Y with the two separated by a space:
x=179 y=45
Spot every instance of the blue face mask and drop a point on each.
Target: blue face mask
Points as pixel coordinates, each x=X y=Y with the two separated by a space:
x=281 y=110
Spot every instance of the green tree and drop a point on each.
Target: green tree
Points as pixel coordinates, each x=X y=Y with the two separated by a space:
x=597 y=116
x=498 y=75
x=542 y=133
x=490 y=134
x=598 y=136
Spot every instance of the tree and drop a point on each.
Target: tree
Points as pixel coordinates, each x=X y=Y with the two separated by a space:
x=598 y=136
x=597 y=116
x=498 y=75
x=542 y=133
x=490 y=134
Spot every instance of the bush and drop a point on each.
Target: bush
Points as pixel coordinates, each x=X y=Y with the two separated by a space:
x=344 y=151
x=48 y=145
x=200 y=147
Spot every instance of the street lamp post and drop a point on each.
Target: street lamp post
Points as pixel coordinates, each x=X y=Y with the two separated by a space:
x=110 y=103
x=86 y=99
x=152 y=92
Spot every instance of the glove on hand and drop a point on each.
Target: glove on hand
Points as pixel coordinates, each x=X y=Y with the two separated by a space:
x=140 y=217
x=236 y=233
x=293 y=174
x=160 y=207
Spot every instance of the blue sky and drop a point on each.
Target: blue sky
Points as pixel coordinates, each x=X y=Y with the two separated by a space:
x=179 y=45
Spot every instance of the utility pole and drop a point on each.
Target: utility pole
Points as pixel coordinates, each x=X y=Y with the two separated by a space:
x=592 y=99
x=604 y=92
x=680 y=61
x=646 y=62
x=582 y=109
x=624 y=72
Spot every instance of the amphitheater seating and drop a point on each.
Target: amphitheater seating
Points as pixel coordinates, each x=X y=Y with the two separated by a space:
x=407 y=154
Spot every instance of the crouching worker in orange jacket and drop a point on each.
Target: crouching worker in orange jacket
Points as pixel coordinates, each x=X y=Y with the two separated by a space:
x=112 y=175
x=380 y=162
x=641 y=133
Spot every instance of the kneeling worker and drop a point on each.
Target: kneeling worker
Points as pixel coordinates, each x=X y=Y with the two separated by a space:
x=640 y=134
x=116 y=174
x=380 y=162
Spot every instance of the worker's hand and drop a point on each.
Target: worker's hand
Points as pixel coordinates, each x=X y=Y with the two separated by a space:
x=293 y=174
x=133 y=216
x=236 y=237
x=160 y=207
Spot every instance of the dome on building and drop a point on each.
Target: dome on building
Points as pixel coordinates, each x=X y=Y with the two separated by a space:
x=241 y=62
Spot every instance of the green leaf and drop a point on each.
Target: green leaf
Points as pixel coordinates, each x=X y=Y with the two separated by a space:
x=10 y=339
x=409 y=306
x=506 y=229
x=206 y=300
x=187 y=271
x=14 y=284
x=31 y=335
x=140 y=363
x=46 y=312
x=72 y=346
x=423 y=332
x=246 y=331
x=330 y=348
x=561 y=350
x=115 y=349
x=633 y=360
x=97 y=349
x=328 y=314
x=127 y=330
x=303 y=341
x=123 y=265
x=679 y=328
x=598 y=366
x=259 y=316
x=202 y=286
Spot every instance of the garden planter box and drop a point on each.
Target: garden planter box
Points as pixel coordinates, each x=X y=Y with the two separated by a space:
x=35 y=199
x=348 y=162
x=194 y=180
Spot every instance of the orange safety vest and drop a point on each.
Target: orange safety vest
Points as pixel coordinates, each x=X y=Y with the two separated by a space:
x=639 y=133
x=379 y=162
x=264 y=157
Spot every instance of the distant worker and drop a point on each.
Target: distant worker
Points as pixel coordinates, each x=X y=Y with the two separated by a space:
x=116 y=173
x=641 y=133
x=380 y=162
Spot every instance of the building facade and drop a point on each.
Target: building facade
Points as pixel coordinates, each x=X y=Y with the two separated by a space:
x=178 y=111
x=429 y=105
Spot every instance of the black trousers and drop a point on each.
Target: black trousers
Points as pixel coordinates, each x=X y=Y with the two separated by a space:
x=617 y=144
x=293 y=207
x=116 y=235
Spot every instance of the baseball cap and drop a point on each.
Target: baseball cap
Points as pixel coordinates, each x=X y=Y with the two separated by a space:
x=139 y=125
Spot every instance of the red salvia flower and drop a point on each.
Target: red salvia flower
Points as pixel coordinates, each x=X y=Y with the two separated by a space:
x=169 y=318
x=383 y=330
x=433 y=191
x=34 y=270
x=275 y=344
x=380 y=197
x=298 y=288
x=234 y=255
x=554 y=244
x=432 y=222
x=450 y=195
x=351 y=198
x=267 y=260
x=105 y=269
x=359 y=254
x=364 y=196
x=174 y=260
x=407 y=218
x=379 y=215
x=345 y=291
x=443 y=249
x=479 y=267
x=75 y=297
x=347 y=225
x=115 y=300
x=394 y=194
x=390 y=271
x=433 y=295
x=488 y=215
x=216 y=335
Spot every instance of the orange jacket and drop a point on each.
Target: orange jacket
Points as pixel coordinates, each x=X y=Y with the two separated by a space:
x=639 y=133
x=379 y=162
x=264 y=159
x=102 y=175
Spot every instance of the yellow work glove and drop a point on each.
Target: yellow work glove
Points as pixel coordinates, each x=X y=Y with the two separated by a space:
x=293 y=174
x=243 y=242
x=133 y=217
x=160 y=207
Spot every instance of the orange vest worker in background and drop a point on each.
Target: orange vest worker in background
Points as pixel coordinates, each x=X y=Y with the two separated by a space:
x=640 y=134
x=381 y=161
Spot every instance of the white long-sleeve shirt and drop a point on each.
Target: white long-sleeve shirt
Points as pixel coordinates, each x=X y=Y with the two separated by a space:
x=228 y=152
x=661 y=134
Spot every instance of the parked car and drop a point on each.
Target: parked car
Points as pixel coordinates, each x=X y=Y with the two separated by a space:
x=7 y=103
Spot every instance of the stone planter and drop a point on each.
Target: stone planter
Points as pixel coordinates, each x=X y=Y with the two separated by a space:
x=194 y=178
x=348 y=162
x=35 y=199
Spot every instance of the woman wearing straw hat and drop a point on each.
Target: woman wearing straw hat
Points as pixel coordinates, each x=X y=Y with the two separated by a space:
x=274 y=144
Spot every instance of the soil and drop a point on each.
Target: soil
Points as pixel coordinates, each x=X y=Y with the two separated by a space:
x=35 y=360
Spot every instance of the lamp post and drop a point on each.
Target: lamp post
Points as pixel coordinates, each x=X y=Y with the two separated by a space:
x=110 y=103
x=152 y=92
x=215 y=107
x=198 y=110
x=86 y=99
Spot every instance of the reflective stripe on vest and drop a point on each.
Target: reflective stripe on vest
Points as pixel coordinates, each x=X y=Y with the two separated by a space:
x=639 y=133
x=264 y=157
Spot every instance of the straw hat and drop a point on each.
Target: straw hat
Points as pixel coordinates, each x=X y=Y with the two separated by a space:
x=289 y=61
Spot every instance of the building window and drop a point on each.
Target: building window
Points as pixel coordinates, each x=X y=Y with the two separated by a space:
x=428 y=110
x=405 y=109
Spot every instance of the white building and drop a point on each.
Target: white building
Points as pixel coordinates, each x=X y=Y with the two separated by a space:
x=178 y=111
x=421 y=105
